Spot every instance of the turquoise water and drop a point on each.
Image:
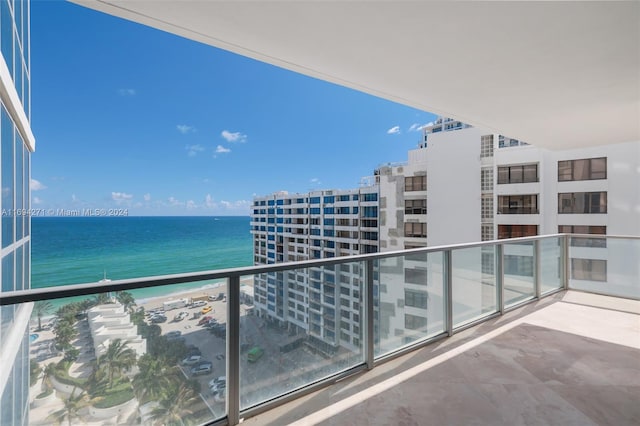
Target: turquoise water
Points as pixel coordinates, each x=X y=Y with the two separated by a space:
x=74 y=250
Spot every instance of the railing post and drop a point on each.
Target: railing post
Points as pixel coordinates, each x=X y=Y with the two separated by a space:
x=233 y=350
x=565 y=261
x=500 y=277
x=537 y=268
x=369 y=312
x=448 y=290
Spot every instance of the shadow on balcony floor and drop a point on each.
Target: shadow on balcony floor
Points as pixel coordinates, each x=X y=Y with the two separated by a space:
x=567 y=359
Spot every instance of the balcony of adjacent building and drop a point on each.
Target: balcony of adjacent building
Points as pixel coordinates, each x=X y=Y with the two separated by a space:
x=532 y=330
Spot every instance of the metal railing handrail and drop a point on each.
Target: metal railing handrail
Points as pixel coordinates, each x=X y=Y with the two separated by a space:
x=72 y=290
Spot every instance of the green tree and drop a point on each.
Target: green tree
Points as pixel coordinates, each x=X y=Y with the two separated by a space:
x=40 y=309
x=47 y=373
x=101 y=299
x=72 y=405
x=126 y=299
x=155 y=378
x=173 y=407
x=34 y=371
x=118 y=358
x=64 y=332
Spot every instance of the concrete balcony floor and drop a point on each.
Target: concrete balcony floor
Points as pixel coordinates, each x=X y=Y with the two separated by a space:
x=569 y=359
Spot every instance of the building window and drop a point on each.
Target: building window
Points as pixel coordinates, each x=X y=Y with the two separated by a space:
x=518 y=265
x=589 y=269
x=415 y=206
x=586 y=169
x=370 y=197
x=522 y=173
x=415 y=229
x=582 y=202
x=415 y=276
x=416 y=298
x=415 y=183
x=584 y=229
x=486 y=179
x=486 y=146
x=486 y=232
x=517 y=231
x=518 y=204
x=486 y=207
x=414 y=322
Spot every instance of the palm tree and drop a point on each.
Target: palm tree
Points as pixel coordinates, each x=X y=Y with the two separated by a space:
x=154 y=379
x=40 y=309
x=173 y=408
x=117 y=359
x=72 y=405
x=47 y=374
x=126 y=299
x=64 y=332
x=101 y=299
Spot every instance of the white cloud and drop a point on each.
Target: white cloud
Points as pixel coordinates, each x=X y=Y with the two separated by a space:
x=184 y=128
x=121 y=197
x=394 y=130
x=193 y=150
x=37 y=185
x=233 y=136
x=127 y=92
x=222 y=150
x=191 y=205
x=36 y=200
x=208 y=201
x=314 y=181
x=415 y=127
x=147 y=197
x=174 y=201
x=74 y=198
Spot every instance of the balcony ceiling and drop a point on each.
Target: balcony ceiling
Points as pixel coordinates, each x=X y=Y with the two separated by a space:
x=555 y=74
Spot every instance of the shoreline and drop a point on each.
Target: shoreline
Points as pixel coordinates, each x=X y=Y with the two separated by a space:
x=205 y=290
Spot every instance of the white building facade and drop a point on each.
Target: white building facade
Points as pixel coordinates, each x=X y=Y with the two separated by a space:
x=324 y=303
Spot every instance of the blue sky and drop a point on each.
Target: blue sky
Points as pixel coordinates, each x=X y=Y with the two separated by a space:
x=131 y=117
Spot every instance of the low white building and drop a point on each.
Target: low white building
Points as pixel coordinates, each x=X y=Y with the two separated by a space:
x=110 y=322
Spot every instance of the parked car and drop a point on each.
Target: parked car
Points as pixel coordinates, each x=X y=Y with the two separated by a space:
x=211 y=298
x=221 y=296
x=206 y=310
x=198 y=304
x=158 y=318
x=182 y=315
x=215 y=382
x=219 y=395
x=255 y=354
x=173 y=334
x=192 y=360
x=203 y=368
x=204 y=320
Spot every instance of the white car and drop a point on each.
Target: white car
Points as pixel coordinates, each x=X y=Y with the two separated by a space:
x=215 y=382
x=182 y=315
x=198 y=304
x=192 y=360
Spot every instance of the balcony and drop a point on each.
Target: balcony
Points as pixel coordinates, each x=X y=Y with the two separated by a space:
x=511 y=331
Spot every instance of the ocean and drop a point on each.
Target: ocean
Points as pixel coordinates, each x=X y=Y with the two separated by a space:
x=75 y=250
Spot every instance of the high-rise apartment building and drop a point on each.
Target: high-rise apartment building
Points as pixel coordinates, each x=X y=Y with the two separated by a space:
x=322 y=302
x=463 y=184
x=16 y=144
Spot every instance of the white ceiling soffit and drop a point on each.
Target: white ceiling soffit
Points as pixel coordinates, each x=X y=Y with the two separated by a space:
x=555 y=74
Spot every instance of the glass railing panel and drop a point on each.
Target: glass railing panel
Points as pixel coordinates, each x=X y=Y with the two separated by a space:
x=123 y=357
x=550 y=264
x=519 y=266
x=474 y=284
x=608 y=266
x=298 y=334
x=408 y=300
